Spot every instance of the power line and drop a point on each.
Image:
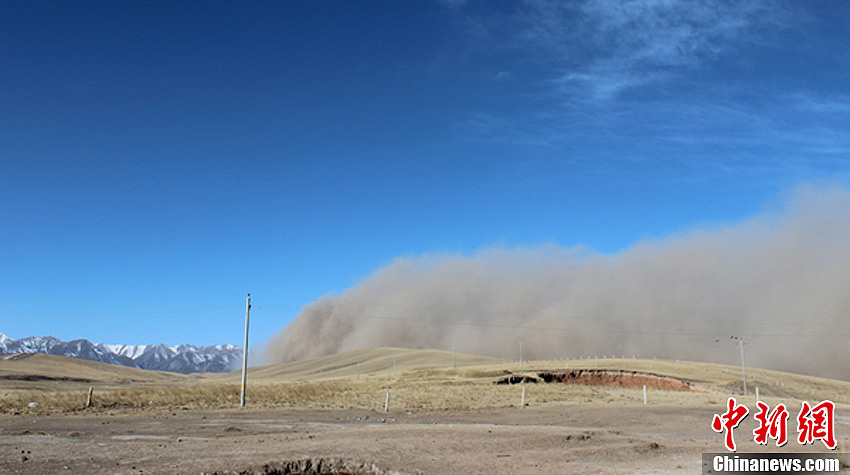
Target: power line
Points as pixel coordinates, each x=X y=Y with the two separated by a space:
x=444 y=311
x=134 y=313
x=720 y=333
x=131 y=300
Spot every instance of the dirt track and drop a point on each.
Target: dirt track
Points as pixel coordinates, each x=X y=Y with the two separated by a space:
x=549 y=439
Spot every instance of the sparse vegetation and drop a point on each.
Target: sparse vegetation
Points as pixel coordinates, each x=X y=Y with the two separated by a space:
x=415 y=387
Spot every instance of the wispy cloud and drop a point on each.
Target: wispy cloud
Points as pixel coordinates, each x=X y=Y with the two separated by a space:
x=574 y=55
x=599 y=49
x=670 y=84
x=819 y=103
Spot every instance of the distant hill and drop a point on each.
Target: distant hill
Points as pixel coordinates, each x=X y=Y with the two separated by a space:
x=180 y=359
x=367 y=361
x=34 y=370
x=420 y=366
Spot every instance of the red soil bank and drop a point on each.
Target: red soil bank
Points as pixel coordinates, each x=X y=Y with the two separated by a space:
x=616 y=379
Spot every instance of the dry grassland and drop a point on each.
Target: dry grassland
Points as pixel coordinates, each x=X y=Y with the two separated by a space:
x=416 y=380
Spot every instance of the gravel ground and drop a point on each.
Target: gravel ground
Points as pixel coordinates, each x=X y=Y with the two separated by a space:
x=551 y=438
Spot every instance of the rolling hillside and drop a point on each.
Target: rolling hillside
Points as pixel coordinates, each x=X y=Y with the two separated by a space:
x=423 y=379
x=40 y=371
x=374 y=361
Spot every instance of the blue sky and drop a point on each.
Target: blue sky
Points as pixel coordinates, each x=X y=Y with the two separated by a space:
x=159 y=160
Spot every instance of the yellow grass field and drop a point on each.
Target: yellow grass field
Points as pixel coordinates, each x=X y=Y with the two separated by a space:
x=415 y=379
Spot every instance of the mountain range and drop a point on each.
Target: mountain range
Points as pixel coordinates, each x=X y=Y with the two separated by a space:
x=180 y=359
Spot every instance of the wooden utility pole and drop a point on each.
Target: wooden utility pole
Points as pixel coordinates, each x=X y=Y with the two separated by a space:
x=245 y=351
x=743 y=371
x=521 y=372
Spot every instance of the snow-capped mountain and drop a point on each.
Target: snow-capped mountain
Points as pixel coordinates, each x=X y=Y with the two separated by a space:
x=181 y=359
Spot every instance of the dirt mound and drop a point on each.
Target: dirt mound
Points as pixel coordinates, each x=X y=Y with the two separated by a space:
x=313 y=466
x=620 y=379
x=516 y=379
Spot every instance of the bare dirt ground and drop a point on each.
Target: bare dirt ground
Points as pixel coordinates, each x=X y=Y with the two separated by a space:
x=325 y=414
x=550 y=438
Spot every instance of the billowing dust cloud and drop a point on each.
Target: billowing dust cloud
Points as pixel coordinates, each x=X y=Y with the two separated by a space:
x=780 y=281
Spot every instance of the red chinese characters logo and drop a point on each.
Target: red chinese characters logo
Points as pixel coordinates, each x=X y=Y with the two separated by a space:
x=813 y=423
x=729 y=420
x=817 y=423
x=771 y=424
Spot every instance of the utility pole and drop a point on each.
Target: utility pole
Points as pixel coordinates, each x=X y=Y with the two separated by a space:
x=521 y=372
x=245 y=351
x=743 y=371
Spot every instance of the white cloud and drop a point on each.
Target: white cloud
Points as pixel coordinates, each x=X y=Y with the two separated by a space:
x=595 y=76
x=598 y=49
x=818 y=103
x=604 y=47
